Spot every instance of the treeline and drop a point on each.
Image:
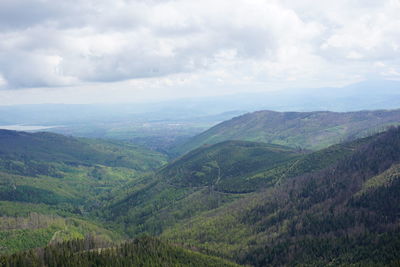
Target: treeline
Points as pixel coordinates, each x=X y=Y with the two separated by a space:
x=145 y=251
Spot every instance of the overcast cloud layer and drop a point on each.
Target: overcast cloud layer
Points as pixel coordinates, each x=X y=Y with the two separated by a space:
x=158 y=47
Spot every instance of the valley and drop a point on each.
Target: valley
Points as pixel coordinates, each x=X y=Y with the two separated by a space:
x=184 y=133
x=240 y=196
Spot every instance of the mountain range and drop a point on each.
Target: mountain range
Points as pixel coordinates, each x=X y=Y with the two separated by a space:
x=262 y=189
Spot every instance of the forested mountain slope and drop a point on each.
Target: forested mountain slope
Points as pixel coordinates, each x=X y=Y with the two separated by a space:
x=347 y=213
x=49 y=184
x=199 y=181
x=253 y=203
x=53 y=169
x=210 y=177
x=145 y=251
x=310 y=130
x=50 y=147
x=226 y=166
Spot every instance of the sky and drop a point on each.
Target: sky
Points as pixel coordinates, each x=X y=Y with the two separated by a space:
x=100 y=51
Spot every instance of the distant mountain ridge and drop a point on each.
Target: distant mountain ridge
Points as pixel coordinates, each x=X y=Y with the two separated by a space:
x=365 y=95
x=310 y=130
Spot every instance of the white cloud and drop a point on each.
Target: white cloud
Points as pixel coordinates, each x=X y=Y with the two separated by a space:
x=247 y=43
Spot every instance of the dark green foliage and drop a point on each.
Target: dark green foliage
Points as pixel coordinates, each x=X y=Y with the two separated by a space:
x=29 y=168
x=310 y=130
x=226 y=166
x=38 y=230
x=53 y=174
x=367 y=249
x=323 y=158
x=200 y=181
x=23 y=239
x=72 y=174
x=31 y=194
x=322 y=205
x=382 y=200
x=54 y=169
x=161 y=206
x=326 y=217
x=255 y=203
x=48 y=147
x=145 y=251
x=210 y=177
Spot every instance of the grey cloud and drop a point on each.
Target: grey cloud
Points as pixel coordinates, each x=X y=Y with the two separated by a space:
x=22 y=14
x=57 y=43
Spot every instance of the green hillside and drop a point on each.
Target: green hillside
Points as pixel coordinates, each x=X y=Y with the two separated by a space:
x=226 y=166
x=309 y=130
x=19 y=233
x=56 y=170
x=345 y=214
x=54 y=176
x=211 y=177
x=203 y=179
x=252 y=203
x=49 y=147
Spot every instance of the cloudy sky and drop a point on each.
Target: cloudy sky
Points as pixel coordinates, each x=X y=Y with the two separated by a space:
x=86 y=51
